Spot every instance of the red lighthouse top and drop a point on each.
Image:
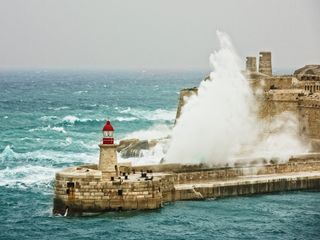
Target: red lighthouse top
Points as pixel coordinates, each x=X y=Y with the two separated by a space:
x=108 y=133
x=108 y=127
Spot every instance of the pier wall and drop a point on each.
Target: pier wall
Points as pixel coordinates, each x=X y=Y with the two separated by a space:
x=91 y=194
x=83 y=189
x=246 y=187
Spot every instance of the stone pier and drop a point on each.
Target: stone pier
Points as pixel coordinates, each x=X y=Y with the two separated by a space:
x=83 y=189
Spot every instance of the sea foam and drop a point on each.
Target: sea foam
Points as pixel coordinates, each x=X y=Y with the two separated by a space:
x=151 y=115
x=37 y=168
x=49 y=128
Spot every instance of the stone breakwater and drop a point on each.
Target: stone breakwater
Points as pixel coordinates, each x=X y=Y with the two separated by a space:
x=83 y=189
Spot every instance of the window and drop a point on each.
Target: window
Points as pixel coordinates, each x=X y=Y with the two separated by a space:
x=70 y=184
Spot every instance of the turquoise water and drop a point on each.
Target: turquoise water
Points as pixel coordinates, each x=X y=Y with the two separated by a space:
x=50 y=120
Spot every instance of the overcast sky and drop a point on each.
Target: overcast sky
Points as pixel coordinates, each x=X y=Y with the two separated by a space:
x=146 y=34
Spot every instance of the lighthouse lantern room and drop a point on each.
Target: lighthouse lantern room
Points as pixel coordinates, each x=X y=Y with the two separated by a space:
x=108 y=133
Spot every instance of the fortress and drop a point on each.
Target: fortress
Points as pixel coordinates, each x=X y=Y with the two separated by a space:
x=112 y=186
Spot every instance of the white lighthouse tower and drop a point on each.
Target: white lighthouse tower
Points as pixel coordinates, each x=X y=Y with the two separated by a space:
x=108 y=163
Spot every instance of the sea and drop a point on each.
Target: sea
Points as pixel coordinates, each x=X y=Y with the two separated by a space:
x=52 y=119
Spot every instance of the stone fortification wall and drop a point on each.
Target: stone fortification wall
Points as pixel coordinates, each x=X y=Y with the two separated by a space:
x=231 y=173
x=298 y=174
x=276 y=102
x=80 y=189
x=194 y=173
x=266 y=83
x=246 y=187
x=304 y=105
x=279 y=82
x=91 y=194
x=310 y=116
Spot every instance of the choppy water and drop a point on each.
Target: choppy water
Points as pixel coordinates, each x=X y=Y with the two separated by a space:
x=51 y=120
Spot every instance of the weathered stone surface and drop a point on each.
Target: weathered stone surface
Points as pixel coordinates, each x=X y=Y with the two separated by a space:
x=183 y=183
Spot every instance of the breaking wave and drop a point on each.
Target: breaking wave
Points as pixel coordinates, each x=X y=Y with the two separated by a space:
x=27 y=176
x=126 y=119
x=154 y=155
x=37 y=169
x=155 y=132
x=9 y=157
x=80 y=92
x=70 y=119
x=151 y=156
x=48 y=118
x=58 y=108
x=151 y=115
x=74 y=120
x=128 y=115
x=49 y=128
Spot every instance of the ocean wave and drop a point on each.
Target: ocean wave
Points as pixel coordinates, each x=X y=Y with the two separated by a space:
x=158 y=131
x=151 y=115
x=79 y=145
x=80 y=92
x=91 y=145
x=127 y=115
x=9 y=157
x=70 y=119
x=125 y=119
x=49 y=128
x=27 y=176
x=67 y=142
x=58 y=108
x=37 y=169
x=48 y=118
x=73 y=120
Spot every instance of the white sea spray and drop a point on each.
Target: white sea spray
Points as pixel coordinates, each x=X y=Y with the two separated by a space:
x=217 y=124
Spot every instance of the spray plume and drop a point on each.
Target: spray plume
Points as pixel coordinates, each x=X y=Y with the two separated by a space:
x=220 y=121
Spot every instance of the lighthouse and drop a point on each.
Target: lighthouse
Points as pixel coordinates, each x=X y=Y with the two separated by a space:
x=108 y=163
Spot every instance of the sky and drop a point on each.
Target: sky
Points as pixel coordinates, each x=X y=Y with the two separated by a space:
x=150 y=34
